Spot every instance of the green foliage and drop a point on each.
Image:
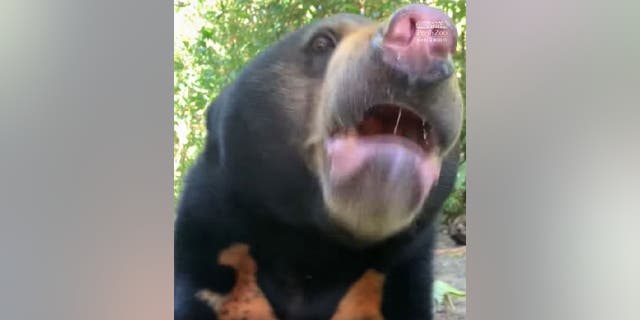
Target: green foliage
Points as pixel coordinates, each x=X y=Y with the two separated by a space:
x=456 y=203
x=214 y=39
x=443 y=293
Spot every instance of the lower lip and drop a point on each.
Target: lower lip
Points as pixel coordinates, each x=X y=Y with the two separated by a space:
x=347 y=155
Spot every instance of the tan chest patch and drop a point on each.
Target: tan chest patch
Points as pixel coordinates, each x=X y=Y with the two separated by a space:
x=363 y=300
x=247 y=302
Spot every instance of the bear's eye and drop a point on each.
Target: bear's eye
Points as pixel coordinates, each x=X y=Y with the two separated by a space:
x=322 y=43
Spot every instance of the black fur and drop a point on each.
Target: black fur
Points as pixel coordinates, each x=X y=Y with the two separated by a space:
x=250 y=185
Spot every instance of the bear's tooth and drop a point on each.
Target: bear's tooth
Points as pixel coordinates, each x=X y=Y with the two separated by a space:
x=424 y=131
x=395 y=129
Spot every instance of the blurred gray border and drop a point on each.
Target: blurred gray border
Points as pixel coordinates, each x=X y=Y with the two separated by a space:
x=552 y=160
x=86 y=140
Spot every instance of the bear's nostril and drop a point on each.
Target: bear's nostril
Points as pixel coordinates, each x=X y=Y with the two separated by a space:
x=412 y=30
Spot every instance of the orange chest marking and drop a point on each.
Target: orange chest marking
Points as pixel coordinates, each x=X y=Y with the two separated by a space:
x=246 y=300
x=363 y=300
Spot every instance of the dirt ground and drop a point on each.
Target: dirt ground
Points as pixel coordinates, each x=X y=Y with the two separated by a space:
x=450 y=267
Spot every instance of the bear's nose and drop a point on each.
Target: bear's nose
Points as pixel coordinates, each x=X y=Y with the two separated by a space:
x=416 y=36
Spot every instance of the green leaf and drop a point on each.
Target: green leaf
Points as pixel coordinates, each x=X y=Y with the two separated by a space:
x=443 y=291
x=461 y=180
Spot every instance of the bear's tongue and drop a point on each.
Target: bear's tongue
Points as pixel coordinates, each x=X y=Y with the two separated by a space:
x=381 y=166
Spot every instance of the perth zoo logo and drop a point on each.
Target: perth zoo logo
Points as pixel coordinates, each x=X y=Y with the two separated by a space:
x=432 y=31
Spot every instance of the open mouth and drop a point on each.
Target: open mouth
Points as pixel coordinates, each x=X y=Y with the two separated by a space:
x=379 y=171
x=390 y=123
x=390 y=142
x=396 y=122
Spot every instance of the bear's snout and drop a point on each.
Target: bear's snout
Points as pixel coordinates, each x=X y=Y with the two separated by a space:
x=418 y=40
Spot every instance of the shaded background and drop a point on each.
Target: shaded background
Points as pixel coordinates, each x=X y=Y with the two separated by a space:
x=214 y=40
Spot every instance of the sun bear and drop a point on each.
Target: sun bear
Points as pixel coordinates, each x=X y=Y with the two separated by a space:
x=325 y=165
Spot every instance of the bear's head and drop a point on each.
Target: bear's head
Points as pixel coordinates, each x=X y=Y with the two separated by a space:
x=345 y=125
